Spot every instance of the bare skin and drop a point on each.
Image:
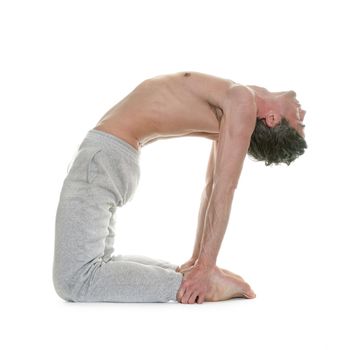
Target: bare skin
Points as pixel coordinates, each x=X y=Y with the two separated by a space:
x=163 y=107
x=172 y=105
x=197 y=104
x=225 y=285
x=191 y=262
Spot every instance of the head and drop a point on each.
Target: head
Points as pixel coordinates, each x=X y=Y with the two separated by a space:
x=278 y=136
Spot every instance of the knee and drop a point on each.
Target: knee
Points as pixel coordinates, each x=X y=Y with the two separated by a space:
x=63 y=287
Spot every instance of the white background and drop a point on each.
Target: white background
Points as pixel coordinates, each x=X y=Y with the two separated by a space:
x=65 y=63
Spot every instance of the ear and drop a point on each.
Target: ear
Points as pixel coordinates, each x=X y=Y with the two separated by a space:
x=272 y=118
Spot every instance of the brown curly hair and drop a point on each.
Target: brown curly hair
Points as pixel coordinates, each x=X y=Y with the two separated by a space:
x=280 y=144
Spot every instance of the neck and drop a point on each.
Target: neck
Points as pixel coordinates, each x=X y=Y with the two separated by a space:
x=263 y=99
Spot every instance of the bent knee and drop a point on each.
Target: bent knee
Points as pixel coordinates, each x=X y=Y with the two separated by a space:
x=64 y=287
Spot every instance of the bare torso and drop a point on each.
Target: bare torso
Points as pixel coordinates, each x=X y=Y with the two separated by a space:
x=165 y=106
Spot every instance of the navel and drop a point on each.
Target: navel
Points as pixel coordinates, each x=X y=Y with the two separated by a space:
x=187 y=74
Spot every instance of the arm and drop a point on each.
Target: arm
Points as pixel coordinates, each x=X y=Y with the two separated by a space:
x=236 y=128
x=204 y=201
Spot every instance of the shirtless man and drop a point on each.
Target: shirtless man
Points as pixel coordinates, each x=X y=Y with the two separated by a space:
x=239 y=119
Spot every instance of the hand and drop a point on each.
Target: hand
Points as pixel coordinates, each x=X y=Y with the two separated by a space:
x=195 y=285
x=187 y=265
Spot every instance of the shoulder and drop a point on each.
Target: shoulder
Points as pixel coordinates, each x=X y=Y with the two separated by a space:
x=240 y=109
x=240 y=97
x=241 y=91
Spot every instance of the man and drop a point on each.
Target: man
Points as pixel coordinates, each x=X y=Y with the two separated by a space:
x=238 y=119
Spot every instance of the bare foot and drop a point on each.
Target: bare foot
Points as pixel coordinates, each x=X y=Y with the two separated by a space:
x=225 y=286
x=227 y=272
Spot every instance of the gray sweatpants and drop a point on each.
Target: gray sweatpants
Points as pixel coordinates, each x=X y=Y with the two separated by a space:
x=102 y=176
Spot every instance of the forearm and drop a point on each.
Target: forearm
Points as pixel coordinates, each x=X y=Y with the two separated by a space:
x=201 y=218
x=215 y=224
x=206 y=194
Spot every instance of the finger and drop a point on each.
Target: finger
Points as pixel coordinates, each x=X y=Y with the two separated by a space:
x=185 y=265
x=184 y=269
x=193 y=298
x=186 y=296
x=180 y=294
x=201 y=298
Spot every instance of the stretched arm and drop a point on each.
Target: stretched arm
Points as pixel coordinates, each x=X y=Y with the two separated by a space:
x=233 y=143
x=204 y=201
x=236 y=128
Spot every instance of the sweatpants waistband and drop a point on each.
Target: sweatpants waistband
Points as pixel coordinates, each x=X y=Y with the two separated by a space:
x=110 y=143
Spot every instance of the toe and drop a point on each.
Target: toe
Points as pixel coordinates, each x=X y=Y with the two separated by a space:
x=247 y=291
x=249 y=294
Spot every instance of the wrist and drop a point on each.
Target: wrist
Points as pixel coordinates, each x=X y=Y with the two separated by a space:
x=205 y=264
